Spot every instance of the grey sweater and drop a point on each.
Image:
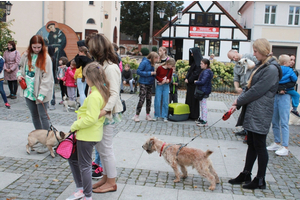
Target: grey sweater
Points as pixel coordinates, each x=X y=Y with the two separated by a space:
x=242 y=78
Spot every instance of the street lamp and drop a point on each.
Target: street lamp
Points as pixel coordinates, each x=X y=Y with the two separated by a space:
x=162 y=14
x=8 y=6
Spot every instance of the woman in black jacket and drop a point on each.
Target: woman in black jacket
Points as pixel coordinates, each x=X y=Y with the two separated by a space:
x=191 y=76
x=256 y=115
x=82 y=59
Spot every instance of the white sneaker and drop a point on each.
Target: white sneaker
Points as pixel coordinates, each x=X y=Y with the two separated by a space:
x=149 y=118
x=282 y=151
x=155 y=119
x=76 y=195
x=52 y=107
x=274 y=147
x=42 y=149
x=165 y=120
x=136 y=118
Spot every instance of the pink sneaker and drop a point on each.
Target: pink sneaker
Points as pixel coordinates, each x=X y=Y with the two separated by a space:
x=76 y=195
x=7 y=105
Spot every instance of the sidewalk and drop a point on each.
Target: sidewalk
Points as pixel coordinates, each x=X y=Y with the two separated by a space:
x=142 y=175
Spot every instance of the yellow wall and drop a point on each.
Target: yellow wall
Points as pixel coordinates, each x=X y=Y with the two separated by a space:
x=283 y=34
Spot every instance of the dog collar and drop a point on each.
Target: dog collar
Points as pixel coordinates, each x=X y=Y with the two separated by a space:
x=162 y=147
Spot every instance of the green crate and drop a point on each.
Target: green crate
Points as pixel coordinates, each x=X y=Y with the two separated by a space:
x=178 y=112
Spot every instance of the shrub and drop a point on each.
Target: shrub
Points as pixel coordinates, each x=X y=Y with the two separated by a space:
x=132 y=62
x=181 y=64
x=145 y=51
x=223 y=75
x=154 y=48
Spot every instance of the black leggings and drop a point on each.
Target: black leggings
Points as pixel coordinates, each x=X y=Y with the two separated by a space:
x=13 y=87
x=257 y=149
x=63 y=89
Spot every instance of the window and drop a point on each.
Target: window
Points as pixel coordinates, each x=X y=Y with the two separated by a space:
x=90 y=21
x=235 y=45
x=294 y=15
x=91 y=2
x=270 y=14
x=205 y=19
x=201 y=45
x=214 y=47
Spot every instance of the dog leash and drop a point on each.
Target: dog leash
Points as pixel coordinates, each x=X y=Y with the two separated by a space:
x=51 y=127
x=224 y=118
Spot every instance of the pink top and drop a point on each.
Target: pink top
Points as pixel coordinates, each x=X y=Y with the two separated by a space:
x=69 y=77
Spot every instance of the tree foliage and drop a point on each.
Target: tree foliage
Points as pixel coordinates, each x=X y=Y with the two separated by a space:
x=5 y=33
x=135 y=16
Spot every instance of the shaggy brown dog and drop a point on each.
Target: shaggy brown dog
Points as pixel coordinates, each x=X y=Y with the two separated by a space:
x=186 y=157
x=40 y=136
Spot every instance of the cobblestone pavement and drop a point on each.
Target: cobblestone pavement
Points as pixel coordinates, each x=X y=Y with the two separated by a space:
x=48 y=178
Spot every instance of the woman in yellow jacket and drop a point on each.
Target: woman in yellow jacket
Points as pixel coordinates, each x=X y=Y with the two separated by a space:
x=89 y=129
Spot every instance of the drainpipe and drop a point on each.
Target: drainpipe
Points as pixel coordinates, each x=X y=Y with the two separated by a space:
x=252 y=31
x=64 y=12
x=43 y=13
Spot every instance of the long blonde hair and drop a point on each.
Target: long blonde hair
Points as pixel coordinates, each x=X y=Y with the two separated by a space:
x=170 y=61
x=95 y=73
x=151 y=56
x=263 y=46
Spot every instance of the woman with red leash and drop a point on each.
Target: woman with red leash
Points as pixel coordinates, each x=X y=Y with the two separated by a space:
x=36 y=70
x=257 y=109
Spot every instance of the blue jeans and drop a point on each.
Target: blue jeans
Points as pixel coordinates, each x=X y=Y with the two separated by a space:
x=97 y=158
x=81 y=87
x=280 y=120
x=295 y=98
x=161 y=102
x=2 y=92
x=130 y=83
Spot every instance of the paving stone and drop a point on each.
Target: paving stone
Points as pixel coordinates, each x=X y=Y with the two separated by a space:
x=37 y=182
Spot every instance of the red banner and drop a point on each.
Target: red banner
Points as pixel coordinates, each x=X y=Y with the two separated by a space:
x=209 y=32
x=165 y=43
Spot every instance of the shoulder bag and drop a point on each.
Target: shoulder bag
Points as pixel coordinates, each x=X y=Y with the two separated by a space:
x=67 y=147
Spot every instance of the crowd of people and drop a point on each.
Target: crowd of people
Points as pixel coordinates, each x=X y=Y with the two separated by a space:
x=265 y=89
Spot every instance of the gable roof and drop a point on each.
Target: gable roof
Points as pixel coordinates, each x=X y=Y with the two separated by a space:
x=190 y=6
x=242 y=6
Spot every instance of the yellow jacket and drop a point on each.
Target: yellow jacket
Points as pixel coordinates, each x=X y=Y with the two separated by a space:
x=89 y=128
x=78 y=73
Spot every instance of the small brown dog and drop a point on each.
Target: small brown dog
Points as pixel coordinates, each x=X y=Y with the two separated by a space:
x=40 y=136
x=186 y=157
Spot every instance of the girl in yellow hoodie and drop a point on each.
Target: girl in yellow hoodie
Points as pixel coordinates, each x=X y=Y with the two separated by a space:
x=89 y=129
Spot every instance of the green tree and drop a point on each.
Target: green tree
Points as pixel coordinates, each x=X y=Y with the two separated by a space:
x=135 y=16
x=5 y=32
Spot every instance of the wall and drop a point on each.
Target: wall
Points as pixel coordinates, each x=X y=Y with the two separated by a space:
x=280 y=33
x=30 y=16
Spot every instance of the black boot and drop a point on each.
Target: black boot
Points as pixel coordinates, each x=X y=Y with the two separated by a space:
x=244 y=176
x=241 y=133
x=256 y=183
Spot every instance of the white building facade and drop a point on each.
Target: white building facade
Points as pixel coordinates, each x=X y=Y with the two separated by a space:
x=277 y=21
x=207 y=25
x=84 y=17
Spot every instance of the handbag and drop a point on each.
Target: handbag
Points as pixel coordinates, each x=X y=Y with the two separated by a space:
x=23 y=84
x=199 y=94
x=67 y=147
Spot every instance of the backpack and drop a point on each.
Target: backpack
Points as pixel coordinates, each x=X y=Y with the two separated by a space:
x=67 y=147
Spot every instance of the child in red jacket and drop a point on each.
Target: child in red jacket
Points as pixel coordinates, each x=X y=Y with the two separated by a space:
x=161 y=101
x=69 y=81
